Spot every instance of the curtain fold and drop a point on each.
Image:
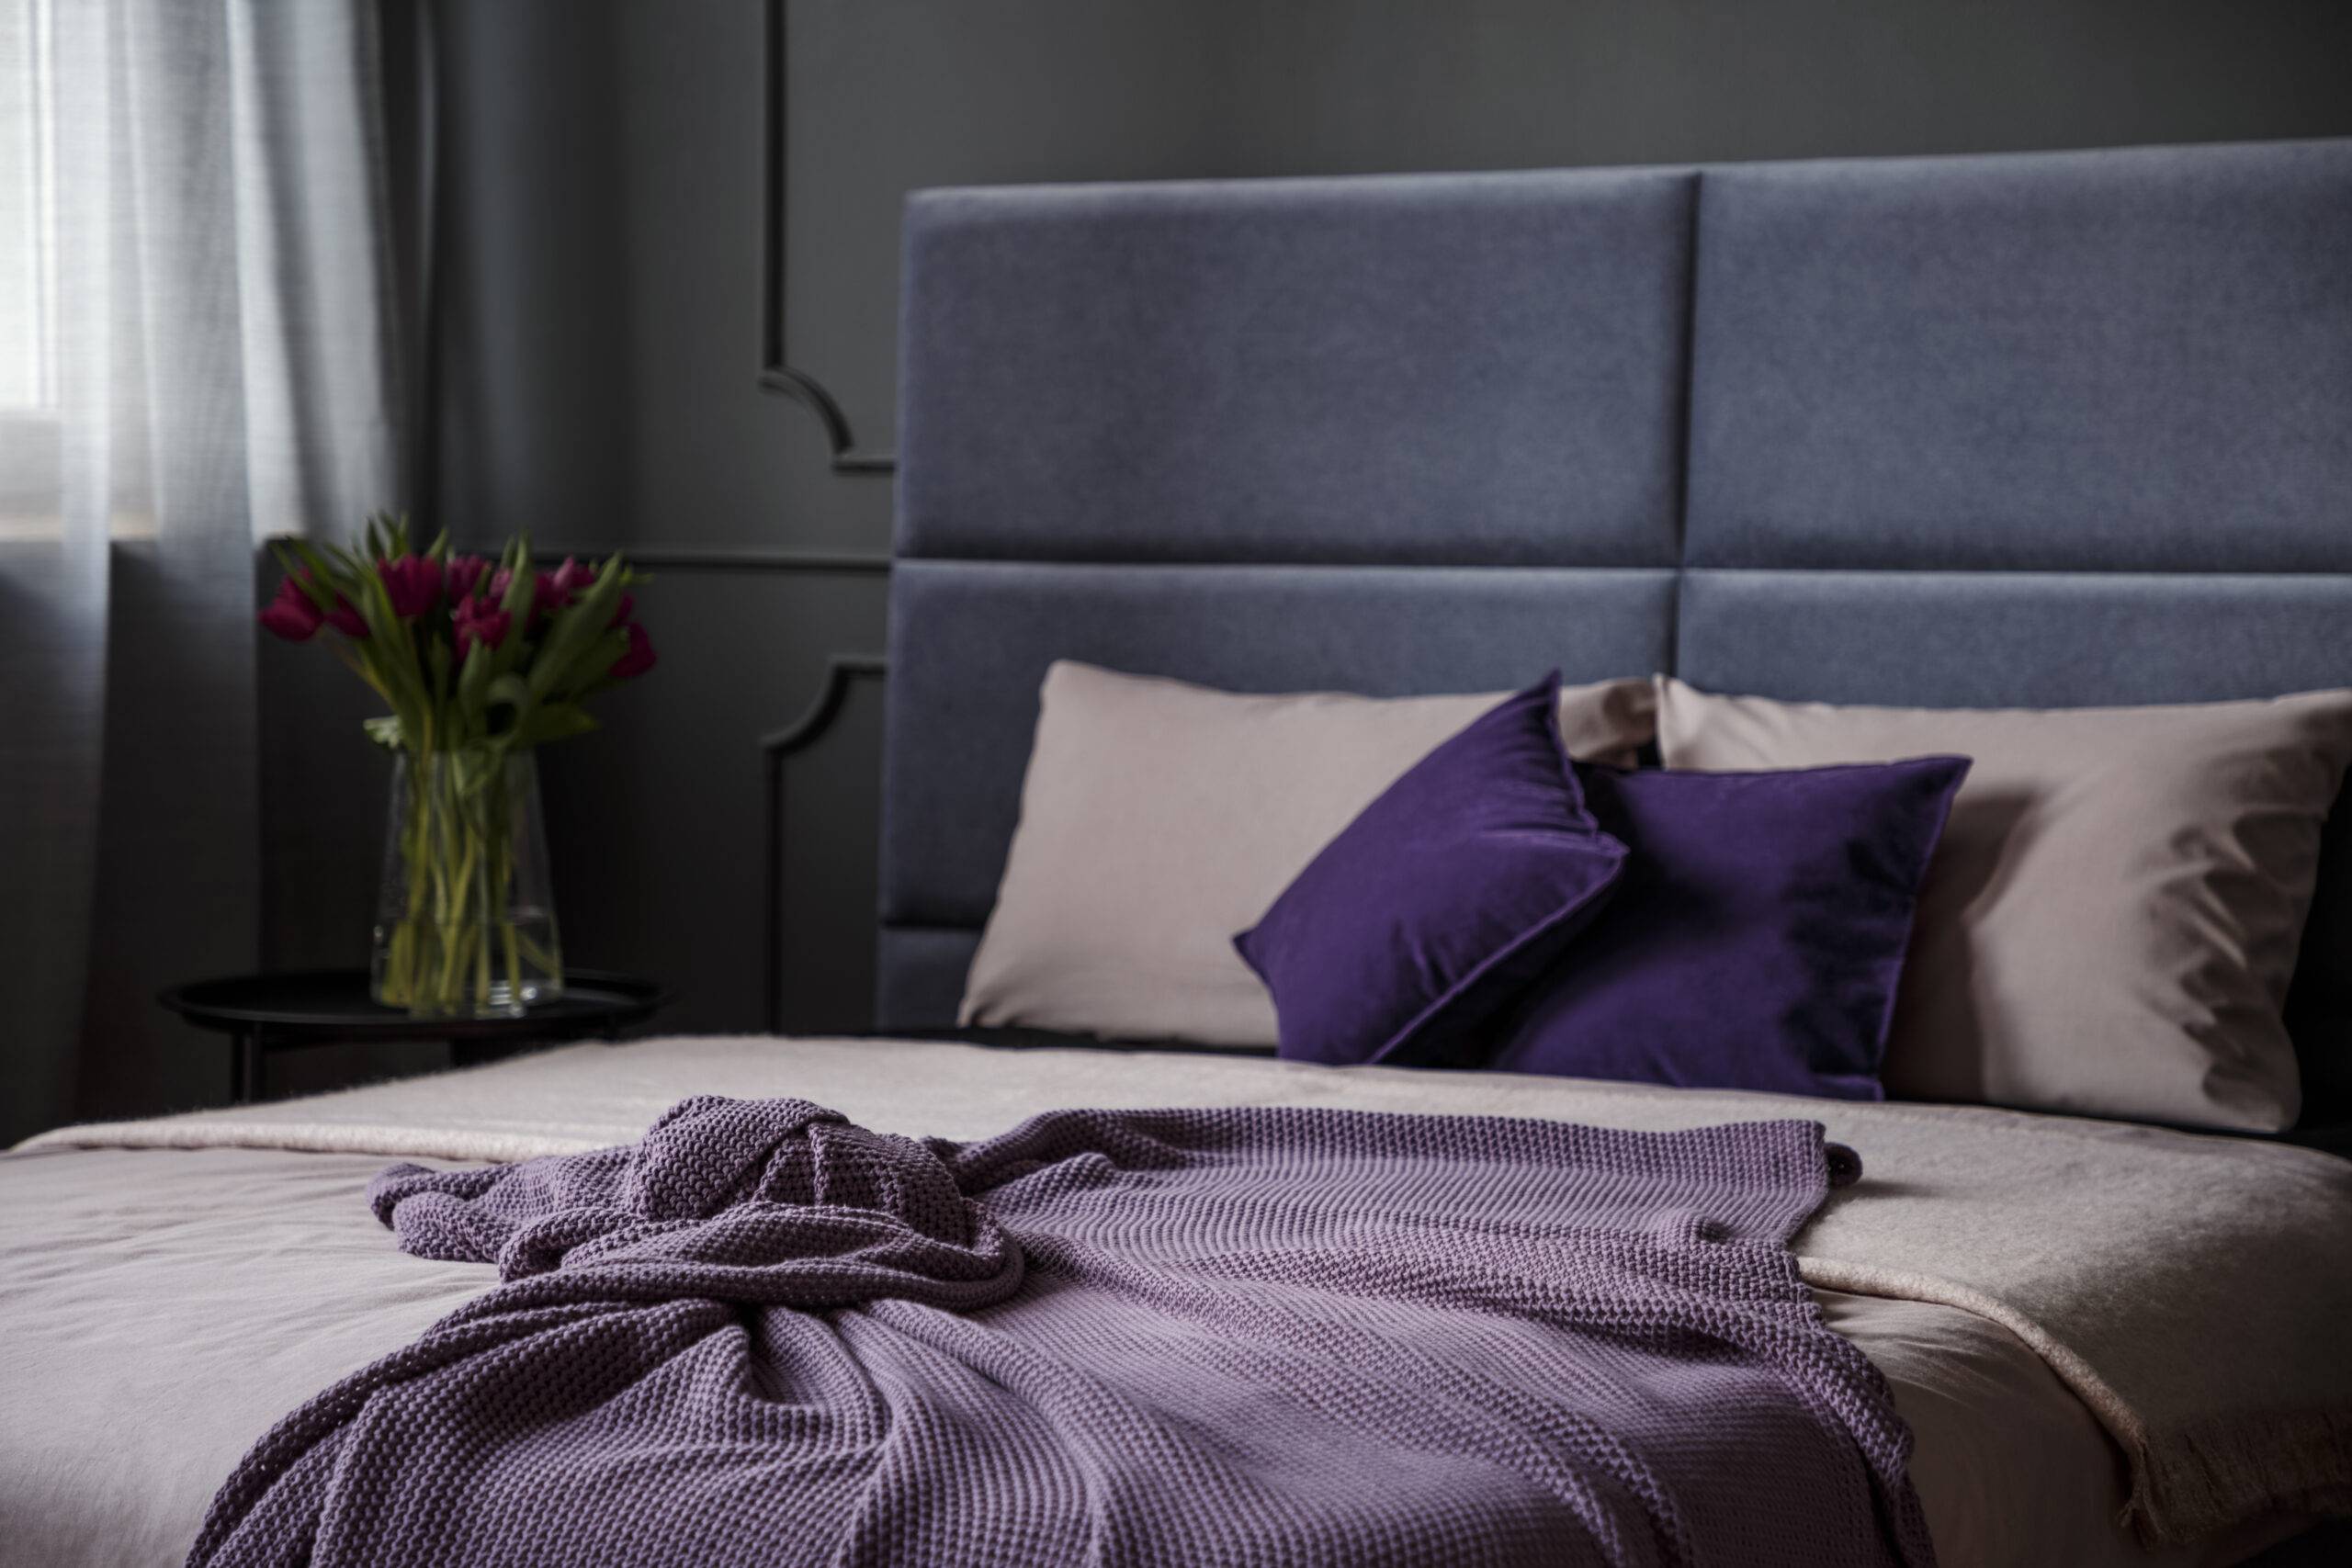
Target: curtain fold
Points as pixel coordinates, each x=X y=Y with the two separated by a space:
x=224 y=342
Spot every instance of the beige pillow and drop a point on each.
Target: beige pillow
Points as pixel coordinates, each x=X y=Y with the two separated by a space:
x=2111 y=919
x=1159 y=818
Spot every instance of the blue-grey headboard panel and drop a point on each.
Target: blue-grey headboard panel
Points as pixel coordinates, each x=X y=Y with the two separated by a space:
x=1470 y=370
x=2013 y=639
x=970 y=642
x=2051 y=430
x=2125 y=361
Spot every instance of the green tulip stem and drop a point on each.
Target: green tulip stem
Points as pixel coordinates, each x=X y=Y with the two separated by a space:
x=456 y=946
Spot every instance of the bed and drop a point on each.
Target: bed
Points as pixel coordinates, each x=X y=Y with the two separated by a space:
x=2051 y=431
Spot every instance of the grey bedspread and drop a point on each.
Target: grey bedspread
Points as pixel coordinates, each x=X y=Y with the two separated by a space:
x=763 y=1334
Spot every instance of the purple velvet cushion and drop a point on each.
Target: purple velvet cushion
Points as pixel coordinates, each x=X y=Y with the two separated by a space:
x=1427 y=914
x=1756 y=937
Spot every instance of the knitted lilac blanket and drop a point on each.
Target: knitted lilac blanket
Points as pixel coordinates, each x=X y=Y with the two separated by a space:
x=763 y=1334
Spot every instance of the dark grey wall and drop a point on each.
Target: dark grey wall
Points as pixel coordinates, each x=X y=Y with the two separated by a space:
x=601 y=282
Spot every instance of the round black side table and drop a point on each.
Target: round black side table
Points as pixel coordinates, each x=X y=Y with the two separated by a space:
x=267 y=1013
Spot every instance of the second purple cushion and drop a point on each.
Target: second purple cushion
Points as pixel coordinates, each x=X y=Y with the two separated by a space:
x=1444 y=898
x=1755 y=936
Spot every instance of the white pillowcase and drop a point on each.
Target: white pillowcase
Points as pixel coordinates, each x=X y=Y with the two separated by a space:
x=2112 y=916
x=1159 y=818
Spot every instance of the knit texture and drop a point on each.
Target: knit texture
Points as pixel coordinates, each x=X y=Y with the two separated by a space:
x=763 y=1334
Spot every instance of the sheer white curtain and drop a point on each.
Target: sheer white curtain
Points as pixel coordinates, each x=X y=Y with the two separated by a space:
x=196 y=332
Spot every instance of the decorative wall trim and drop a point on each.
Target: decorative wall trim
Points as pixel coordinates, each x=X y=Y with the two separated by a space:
x=852 y=562
x=775 y=374
x=803 y=732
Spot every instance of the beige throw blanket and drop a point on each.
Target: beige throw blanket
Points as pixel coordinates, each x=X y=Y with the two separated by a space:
x=2196 y=1292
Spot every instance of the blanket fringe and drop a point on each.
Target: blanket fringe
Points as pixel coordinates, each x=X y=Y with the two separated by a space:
x=206 y=1131
x=2188 y=1483
x=2223 y=1473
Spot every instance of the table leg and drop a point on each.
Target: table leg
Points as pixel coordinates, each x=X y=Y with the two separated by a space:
x=244 y=1067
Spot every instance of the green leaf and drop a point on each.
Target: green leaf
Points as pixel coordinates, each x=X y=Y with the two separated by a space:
x=587 y=675
x=510 y=694
x=385 y=730
x=324 y=581
x=521 y=586
x=575 y=629
x=350 y=565
x=554 y=721
x=473 y=681
x=374 y=603
x=509 y=691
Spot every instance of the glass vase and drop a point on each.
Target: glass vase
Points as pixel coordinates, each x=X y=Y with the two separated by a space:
x=465 y=921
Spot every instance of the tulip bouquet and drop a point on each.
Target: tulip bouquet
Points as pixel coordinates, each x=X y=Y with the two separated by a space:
x=480 y=661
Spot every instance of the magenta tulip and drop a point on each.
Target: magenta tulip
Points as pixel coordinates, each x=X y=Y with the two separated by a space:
x=413 y=584
x=292 y=615
x=480 y=622
x=346 y=618
x=571 y=579
x=463 y=575
x=637 y=659
x=416 y=622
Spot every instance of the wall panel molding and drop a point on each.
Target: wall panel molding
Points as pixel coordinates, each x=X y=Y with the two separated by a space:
x=663 y=558
x=778 y=374
x=783 y=562
x=814 y=722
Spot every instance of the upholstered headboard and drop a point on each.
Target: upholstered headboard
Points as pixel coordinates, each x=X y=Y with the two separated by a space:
x=2048 y=430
